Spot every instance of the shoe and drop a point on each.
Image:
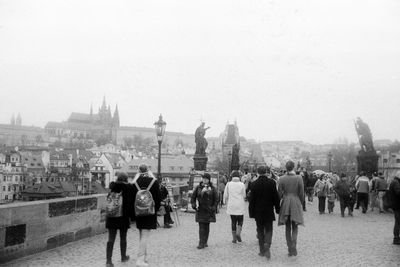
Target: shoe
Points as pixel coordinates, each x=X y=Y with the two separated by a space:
x=262 y=254
x=396 y=241
x=167 y=226
x=125 y=259
x=267 y=253
x=109 y=264
x=200 y=246
x=206 y=245
x=294 y=252
x=171 y=222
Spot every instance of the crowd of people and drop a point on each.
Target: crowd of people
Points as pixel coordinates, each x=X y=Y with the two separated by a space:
x=268 y=195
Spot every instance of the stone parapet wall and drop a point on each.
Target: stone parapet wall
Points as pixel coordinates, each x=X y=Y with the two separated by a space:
x=31 y=227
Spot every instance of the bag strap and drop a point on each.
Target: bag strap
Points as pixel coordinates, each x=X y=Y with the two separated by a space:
x=148 y=188
x=151 y=184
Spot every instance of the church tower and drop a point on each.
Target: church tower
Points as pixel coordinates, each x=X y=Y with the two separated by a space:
x=116 y=117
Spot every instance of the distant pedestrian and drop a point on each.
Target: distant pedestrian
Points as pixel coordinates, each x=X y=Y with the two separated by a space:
x=321 y=190
x=291 y=189
x=331 y=196
x=263 y=199
x=221 y=188
x=342 y=189
x=207 y=197
x=165 y=203
x=234 y=196
x=121 y=222
x=305 y=177
x=373 y=193
x=394 y=192
x=362 y=186
x=312 y=179
x=145 y=180
x=381 y=186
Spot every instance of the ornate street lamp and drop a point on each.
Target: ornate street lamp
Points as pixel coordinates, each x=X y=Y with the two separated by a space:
x=160 y=131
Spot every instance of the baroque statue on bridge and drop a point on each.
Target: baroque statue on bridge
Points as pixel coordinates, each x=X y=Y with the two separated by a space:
x=364 y=135
x=201 y=141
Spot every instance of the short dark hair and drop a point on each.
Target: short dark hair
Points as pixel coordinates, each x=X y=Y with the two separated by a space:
x=262 y=169
x=289 y=166
x=143 y=168
x=207 y=176
x=122 y=177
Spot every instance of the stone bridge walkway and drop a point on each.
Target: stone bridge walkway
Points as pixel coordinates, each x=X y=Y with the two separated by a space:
x=326 y=240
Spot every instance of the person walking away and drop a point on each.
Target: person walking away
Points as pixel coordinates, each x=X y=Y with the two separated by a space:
x=310 y=187
x=234 y=197
x=291 y=189
x=331 y=196
x=205 y=200
x=263 y=199
x=320 y=189
x=381 y=187
x=342 y=189
x=165 y=203
x=362 y=186
x=119 y=221
x=394 y=195
x=145 y=216
x=373 y=194
x=304 y=175
x=221 y=188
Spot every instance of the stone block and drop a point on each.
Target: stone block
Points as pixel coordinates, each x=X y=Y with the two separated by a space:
x=60 y=240
x=31 y=213
x=83 y=233
x=86 y=204
x=5 y=216
x=62 y=208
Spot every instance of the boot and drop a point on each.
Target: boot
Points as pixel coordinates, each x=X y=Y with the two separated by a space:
x=294 y=248
x=124 y=257
x=234 y=237
x=238 y=232
x=267 y=251
x=109 y=251
x=201 y=237
x=396 y=241
x=206 y=234
x=262 y=247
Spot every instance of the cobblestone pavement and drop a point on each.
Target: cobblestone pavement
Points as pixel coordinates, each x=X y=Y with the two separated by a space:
x=326 y=240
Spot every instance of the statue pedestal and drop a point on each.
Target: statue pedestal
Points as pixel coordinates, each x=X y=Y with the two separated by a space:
x=200 y=162
x=367 y=162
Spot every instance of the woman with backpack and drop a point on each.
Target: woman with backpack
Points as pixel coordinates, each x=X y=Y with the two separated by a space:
x=206 y=195
x=118 y=215
x=321 y=190
x=147 y=202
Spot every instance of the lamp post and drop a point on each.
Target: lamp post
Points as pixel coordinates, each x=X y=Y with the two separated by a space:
x=160 y=131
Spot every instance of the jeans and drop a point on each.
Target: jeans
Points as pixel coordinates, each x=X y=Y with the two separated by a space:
x=363 y=200
x=236 y=220
x=204 y=231
x=321 y=204
x=381 y=194
x=291 y=233
x=264 y=234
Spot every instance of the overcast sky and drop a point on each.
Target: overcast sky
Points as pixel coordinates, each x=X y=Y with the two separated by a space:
x=285 y=70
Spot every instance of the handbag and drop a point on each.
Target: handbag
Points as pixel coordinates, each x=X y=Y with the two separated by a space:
x=161 y=211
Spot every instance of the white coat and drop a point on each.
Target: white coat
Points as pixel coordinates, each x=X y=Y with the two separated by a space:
x=234 y=196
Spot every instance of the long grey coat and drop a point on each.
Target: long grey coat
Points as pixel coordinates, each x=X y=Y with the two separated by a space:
x=291 y=190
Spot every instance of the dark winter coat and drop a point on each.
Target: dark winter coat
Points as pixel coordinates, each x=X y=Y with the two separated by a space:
x=395 y=190
x=127 y=206
x=263 y=199
x=148 y=222
x=207 y=198
x=342 y=188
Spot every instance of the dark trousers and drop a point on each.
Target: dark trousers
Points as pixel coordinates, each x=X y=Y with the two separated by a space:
x=112 y=234
x=291 y=234
x=264 y=234
x=167 y=215
x=204 y=231
x=236 y=220
x=345 y=203
x=310 y=193
x=321 y=204
x=362 y=198
x=396 y=228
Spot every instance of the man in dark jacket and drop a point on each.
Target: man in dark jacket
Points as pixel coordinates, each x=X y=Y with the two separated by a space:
x=394 y=191
x=263 y=198
x=342 y=188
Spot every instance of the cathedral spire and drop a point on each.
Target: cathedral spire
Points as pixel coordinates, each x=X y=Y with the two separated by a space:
x=91 y=109
x=103 y=106
x=18 y=121
x=116 y=117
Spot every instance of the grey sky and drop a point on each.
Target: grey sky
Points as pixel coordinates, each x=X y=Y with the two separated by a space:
x=285 y=70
